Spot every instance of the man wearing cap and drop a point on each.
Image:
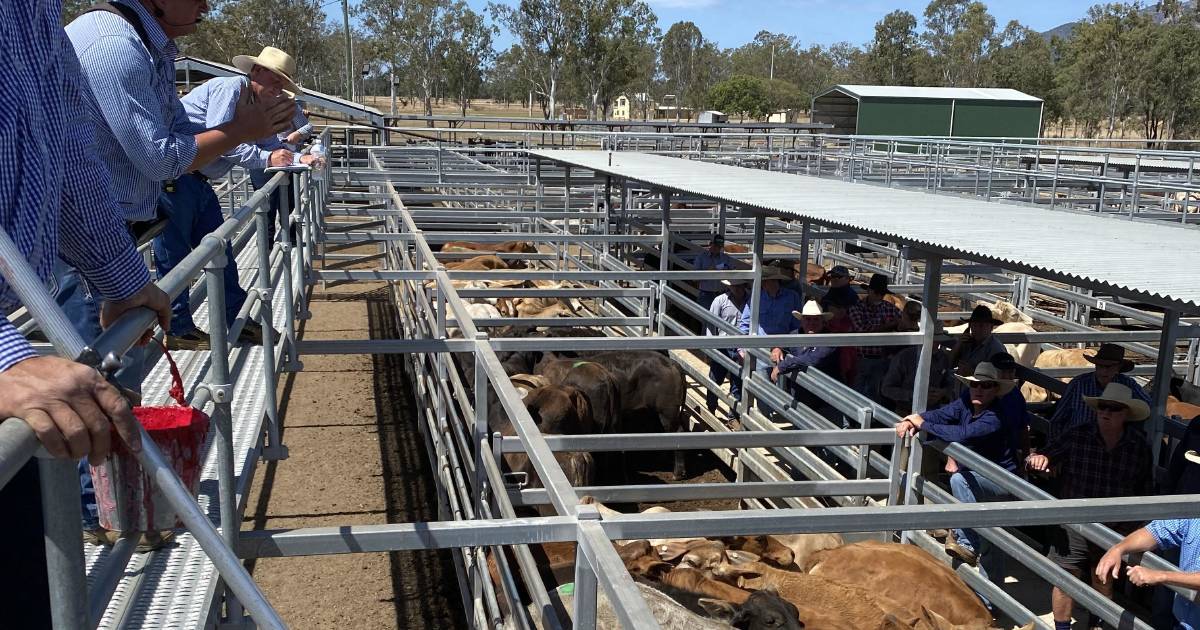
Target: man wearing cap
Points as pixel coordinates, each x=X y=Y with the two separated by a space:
x=1106 y=458
x=1166 y=535
x=1111 y=367
x=712 y=258
x=974 y=422
x=727 y=307
x=897 y=385
x=193 y=202
x=976 y=344
x=839 y=286
x=774 y=314
x=872 y=315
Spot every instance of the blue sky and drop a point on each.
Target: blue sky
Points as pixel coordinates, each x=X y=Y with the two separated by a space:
x=732 y=23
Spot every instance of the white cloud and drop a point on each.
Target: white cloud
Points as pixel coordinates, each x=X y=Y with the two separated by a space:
x=683 y=4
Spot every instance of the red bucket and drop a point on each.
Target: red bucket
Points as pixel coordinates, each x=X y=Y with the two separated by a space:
x=125 y=497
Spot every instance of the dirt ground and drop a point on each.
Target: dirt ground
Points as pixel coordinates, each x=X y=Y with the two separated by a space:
x=356 y=457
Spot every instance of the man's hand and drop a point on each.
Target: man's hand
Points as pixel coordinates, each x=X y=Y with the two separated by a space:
x=294 y=138
x=69 y=407
x=256 y=120
x=1039 y=463
x=1141 y=576
x=1109 y=565
x=951 y=465
x=149 y=296
x=776 y=355
x=280 y=157
x=775 y=375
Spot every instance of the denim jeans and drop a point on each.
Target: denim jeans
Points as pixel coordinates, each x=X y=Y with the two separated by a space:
x=718 y=373
x=970 y=487
x=193 y=212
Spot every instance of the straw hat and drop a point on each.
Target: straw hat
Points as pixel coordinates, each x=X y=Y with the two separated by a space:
x=811 y=309
x=1120 y=394
x=987 y=373
x=774 y=272
x=1111 y=352
x=1192 y=456
x=274 y=60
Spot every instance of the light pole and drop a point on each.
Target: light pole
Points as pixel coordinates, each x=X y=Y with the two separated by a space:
x=349 y=51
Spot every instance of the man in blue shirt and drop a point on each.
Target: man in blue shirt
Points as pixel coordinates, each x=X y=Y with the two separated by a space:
x=142 y=133
x=726 y=307
x=713 y=257
x=1183 y=534
x=290 y=141
x=55 y=200
x=774 y=314
x=1111 y=367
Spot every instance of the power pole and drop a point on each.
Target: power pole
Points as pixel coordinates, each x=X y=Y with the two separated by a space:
x=772 y=62
x=349 y=52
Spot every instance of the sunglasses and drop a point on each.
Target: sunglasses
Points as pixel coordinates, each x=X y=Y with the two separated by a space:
x=1110 y=406
x=984 y=385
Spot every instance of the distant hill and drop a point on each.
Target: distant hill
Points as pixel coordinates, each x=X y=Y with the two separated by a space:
x=1064 y=30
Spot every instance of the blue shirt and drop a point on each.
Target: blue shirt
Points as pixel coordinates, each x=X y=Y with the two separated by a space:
x=823 y=358
x=1013 y=416
x=984 y=434
x=774 y=314
x=1072 y=411
x=55 y=195
x=1184 y=534
x=213 y=104
x=142 y=133
x=708 y=262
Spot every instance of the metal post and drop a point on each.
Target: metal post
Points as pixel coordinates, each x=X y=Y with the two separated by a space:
x=1163 y=372
x=481 y=424
x=285 y=243
x=804 y=238
x=274 y=450
x=760 y=227
x=585 y=585
x=59 y=481
x=928 y=327
x=221 y=390
x=664 y=262
x=721 y=212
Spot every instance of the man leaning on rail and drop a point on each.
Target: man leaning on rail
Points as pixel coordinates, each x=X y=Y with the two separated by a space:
x=302 y=129
x=55 y=200
x=127 y=52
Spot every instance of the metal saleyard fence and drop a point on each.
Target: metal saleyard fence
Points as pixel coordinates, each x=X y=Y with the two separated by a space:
x=596 y=234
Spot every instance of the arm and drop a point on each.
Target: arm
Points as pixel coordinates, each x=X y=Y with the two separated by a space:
x=986 y=424
x=1138 y=542
x=222 y=106
x=793 y=362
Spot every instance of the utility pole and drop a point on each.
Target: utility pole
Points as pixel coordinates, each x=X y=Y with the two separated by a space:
x=349 y=52
x=772 y=61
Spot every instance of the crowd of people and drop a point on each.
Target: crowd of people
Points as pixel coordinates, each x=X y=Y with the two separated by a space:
x=100 y=147
x=1095 y=446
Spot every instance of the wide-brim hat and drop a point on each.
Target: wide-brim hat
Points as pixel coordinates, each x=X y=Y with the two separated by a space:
x=1192 y=456
x=879 y=284
x=274 y=60
x=811 y=309
x=983 y=314
x=840 y=270
x=987 y=373
x=1111 y=352
x=1120 y=394
x=774 y=272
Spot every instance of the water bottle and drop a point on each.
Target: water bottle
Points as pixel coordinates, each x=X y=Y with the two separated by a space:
x=318 y=153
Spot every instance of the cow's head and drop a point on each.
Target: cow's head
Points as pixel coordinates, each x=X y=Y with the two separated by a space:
x=560 y=410
x=763 y=610
x=704 y=555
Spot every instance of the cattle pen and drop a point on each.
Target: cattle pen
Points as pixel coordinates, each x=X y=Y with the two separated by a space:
x=952 y=223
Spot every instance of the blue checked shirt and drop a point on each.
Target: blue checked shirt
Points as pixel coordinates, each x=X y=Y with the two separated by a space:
x=54 y=193
x=774 y=313
x=1072 y=412
x=1184 y=534
x=212 y=105
x=143 y=134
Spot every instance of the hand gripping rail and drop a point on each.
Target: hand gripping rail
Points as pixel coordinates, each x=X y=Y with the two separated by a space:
x=64 y=550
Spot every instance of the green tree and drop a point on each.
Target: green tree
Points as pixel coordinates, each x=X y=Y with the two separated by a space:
x=72 y=8
x=416 y=35
x=543 y=28
x=959 y=34
x=689 y=63
x=606 y=35
x=891 y=55
x=741 y=95
x=1164 y=88
x=468 y=56
x=1100 y=62
x=1024 y=61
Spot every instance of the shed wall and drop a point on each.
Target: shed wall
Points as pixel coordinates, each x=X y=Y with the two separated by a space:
x=903 y=117
x=1009 y=119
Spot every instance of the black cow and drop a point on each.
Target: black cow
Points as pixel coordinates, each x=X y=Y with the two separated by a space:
x=763 y=610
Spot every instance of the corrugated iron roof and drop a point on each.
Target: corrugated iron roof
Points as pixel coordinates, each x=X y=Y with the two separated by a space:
x=1149 y=261
x=901 y=91
x=1117 y=162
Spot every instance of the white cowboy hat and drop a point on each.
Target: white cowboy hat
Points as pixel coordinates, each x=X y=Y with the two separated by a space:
x=274 y=60
x=811 y=309
x=987 y=373
x=1192 y=456
x=1120 y=394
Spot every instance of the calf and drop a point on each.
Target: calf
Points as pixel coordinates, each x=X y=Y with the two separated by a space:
x=1182 y=410
x=804 y=546
x=769 y=548
x=647 y=383
x=695 y=581
x=478 y=263
x=889 y=570
x=1069 y=357
x=596 y=383
x=763 y=610
x=507 y=247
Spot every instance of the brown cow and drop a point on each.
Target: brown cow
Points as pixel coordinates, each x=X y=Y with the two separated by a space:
x=769 y=548
x=488 y=262
x=889 y=570
x=595 y=382
x=822 y=603
x=695 y=581
x=507 y=247
x=803 y=546
x=1179 y=409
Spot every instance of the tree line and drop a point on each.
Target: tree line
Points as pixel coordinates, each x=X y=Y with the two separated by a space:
x=1124 y=66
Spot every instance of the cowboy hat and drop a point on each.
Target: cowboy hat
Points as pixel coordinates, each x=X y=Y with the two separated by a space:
x=983 y=314
x=1118 y=393
x=840 y=271
x=274 y=60
x=986 y=373
x=1111 y=352
x=879 y=284
x=1192 y=456
x=774 y=272
x=811 y=309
